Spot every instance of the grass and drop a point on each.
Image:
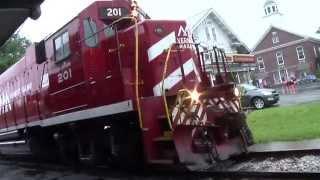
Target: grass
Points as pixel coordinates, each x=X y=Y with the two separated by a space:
x=292 y=123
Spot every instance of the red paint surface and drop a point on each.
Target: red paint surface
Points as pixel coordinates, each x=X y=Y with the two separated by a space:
x=89 y=86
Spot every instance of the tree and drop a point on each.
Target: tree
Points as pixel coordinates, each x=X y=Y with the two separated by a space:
x=12 y=51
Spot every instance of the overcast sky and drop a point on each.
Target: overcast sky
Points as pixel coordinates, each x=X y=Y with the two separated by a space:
x=245 y=17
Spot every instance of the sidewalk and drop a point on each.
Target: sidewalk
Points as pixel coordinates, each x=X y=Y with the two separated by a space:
x=286 y=146
x=303 y=88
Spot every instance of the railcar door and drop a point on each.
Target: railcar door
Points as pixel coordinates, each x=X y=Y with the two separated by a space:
x=115 y=66
x=67 y=83
x=101 y=61
x=91 y=54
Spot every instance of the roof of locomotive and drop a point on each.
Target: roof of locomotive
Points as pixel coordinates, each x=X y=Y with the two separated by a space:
x=6 y=75
x=95 y=3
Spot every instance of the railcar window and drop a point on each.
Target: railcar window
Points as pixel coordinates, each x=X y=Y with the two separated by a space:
x=62 y=48
x=109 y=32
x=90 y=32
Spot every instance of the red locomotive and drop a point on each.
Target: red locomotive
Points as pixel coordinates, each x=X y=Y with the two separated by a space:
x=114 y=86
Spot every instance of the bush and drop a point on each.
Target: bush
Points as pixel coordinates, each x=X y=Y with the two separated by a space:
x=318 y=73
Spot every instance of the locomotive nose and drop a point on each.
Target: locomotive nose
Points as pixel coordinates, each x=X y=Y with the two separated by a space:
x=208 y=126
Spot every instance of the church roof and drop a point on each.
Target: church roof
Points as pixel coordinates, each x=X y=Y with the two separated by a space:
x=309 y=37
x=196 y=20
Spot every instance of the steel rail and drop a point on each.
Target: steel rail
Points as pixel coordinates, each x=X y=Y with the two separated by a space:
x=165 y=174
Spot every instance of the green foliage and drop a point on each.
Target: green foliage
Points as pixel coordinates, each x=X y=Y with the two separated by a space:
x=318 y=73
x=290 y=123
x=12 y=51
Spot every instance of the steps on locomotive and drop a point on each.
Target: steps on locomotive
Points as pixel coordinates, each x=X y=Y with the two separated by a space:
x=19 y=147
x=10 y=136
x=12 y=143
x=163 y=139
x=162 y=162
x=166 y=131
x=165 y=144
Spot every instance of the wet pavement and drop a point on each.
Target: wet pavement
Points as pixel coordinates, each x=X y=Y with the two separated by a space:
x=16 y=171
x=301 y=97
x=286 y=146
x=12 y=170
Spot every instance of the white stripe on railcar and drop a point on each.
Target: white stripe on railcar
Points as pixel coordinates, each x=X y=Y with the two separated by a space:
x=157 y=49
x=174 y=78
x=121 y=107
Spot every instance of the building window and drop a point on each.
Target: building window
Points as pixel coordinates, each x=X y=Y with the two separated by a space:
x=273 y=8
x=62 y=47
x=279 y=56
x=90 y=32
x=275 y=38
x=207 y=57
x=210 y=31
x=109 y=32
x=269 y=10
x=283 y=75
x=213 y=31
x=315 y=51
x=260 y=63
x=300 y=53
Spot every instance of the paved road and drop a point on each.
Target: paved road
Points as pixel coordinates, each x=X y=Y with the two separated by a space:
x=302 y=97
x=30 y=171
x=27 y=171
x=11 y=170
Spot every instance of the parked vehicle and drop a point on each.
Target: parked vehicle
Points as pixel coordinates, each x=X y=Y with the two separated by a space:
x=309 y=79
x=258 y=98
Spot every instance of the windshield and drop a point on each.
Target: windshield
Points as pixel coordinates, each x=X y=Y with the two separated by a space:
x=248 y=87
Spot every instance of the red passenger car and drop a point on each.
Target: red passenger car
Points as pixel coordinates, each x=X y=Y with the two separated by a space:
x=114 y=86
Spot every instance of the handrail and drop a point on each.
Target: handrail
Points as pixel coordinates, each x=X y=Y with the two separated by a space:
x=162 y=86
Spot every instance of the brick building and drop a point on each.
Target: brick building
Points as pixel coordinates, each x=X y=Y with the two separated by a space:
x=281 y=54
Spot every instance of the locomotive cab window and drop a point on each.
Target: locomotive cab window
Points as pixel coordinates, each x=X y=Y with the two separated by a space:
x=109 y=32
x=62 y=47
x=90 y=32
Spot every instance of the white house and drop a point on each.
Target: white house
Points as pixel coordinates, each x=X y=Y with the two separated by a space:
x=210 y=30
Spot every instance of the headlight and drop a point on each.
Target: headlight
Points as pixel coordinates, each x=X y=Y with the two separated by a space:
x=267 y=93
x=195 y=96
x=236 y=92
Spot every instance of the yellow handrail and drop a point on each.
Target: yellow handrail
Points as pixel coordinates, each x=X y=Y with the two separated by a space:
x=137 y=73
x=162 y=87
x=136 y=66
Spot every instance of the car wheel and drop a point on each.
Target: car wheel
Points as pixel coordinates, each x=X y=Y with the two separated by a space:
x=258 y=103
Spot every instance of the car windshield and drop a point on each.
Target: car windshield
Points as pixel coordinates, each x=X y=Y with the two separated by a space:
x=248 y=87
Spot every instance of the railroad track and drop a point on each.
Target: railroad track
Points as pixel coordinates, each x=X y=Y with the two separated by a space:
x=247 y=174
x=107 y=172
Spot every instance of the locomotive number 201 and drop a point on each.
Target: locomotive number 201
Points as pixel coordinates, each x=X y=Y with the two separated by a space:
x=64 y=75
x=114 y=12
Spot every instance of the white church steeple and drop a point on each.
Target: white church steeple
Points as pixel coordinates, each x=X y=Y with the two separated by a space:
x=271 y=8
x=272 y=15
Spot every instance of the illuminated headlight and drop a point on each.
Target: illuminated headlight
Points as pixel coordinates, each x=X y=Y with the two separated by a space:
x=195 y=96
x=237 y=92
